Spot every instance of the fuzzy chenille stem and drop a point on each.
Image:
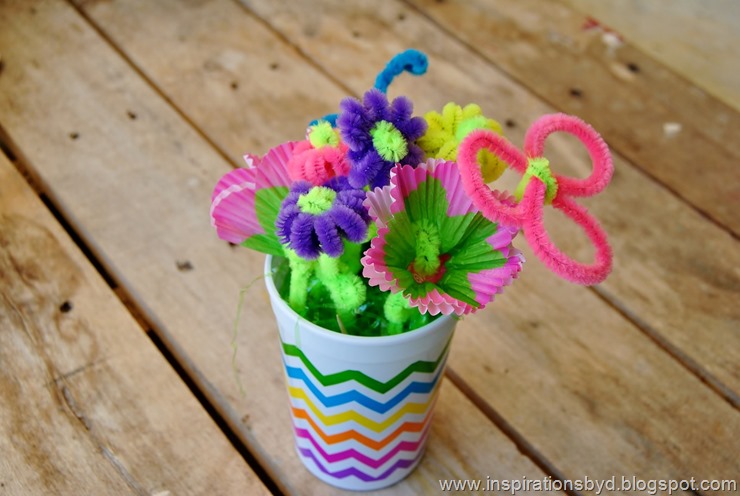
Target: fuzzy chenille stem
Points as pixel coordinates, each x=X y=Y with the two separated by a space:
x=346 y=289
x=300 y=273
x=428 y=245
x=397 y=312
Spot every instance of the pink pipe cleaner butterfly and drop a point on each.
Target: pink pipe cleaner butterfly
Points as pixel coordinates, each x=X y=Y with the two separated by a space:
x=558 y=190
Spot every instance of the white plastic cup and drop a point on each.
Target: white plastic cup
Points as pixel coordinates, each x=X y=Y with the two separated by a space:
x=361 y=406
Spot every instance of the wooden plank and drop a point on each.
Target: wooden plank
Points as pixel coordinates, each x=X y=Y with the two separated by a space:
x=545 y=46
x=696 y=39
x=147 y=211
x=673 y=289
x=89 y=404
x=573 y=395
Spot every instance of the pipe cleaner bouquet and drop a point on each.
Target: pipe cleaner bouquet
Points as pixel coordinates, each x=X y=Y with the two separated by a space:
x=385 y=219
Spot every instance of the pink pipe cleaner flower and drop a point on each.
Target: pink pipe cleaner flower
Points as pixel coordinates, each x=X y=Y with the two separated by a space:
x=434 y=245
x=320 y=157
x=540 y=187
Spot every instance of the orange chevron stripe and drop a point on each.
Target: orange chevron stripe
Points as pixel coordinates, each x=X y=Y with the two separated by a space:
x=361 y=438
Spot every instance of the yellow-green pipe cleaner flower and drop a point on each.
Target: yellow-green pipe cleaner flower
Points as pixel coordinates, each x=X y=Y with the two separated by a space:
x=446 y=131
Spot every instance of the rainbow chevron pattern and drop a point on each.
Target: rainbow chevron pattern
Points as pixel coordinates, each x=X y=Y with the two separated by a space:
x=357 y=431
x=361 y=406
x=354 y=430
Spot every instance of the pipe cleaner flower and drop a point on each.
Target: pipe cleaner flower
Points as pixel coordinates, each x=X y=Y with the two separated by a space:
x=434 y=245
x=320 y=157
x=379 y=136
x=447 y=130
x=246 y=201
x=540 y=187
x=316 y=219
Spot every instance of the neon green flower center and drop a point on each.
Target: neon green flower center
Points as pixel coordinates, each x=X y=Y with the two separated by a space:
x=538 y=167
x=426 y=236
x=317 y=201
x=469 y=125
x=389 y=142
x=322 y=134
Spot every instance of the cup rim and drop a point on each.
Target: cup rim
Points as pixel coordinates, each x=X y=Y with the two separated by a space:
x=396 y=339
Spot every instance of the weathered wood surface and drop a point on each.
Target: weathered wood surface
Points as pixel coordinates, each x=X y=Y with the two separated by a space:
x=696 y=39
x=144 y=214
x=89 y=405
x=592 y=393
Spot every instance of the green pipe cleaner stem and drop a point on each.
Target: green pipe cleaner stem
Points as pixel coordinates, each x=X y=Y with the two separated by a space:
x=347 y=290
x=349 y=260
x=300 y=274
x=427 y=248
x=397 y=312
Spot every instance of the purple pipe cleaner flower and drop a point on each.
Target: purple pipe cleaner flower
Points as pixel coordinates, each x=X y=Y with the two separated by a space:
x=316 y=219
x=379 y=136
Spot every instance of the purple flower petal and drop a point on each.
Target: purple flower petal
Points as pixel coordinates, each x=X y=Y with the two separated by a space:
x=401 y=110
x=354 y=199
x=365 y=171
x=376 y=103
x=284 y=222
x=413 y=129
x=326 y=231
x=350 y=222
x=415 y=156
x=303 y=237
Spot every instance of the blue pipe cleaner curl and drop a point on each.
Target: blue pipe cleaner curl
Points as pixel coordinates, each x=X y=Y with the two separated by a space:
x=411 y=60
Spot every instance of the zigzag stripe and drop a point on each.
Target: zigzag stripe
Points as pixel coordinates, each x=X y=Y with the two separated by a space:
x=358 y=436
x=359 y=398
x=367 y=381
x=351 y=415
x=341 y=474
x=362 y=458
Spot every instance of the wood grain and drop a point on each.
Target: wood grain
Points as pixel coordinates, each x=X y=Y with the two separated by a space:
x=561 y=389
x=696 y=39
x=89 y=404
x=544 y=46
x=137 y=190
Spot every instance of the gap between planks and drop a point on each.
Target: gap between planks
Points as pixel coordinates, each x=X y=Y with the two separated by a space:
x=521 y=443
x=682 y=358
x=708 y=379
x=139 y=72
x=471 y=47
x=14 y=155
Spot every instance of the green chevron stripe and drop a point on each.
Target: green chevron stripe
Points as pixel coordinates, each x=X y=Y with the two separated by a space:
x=356 y=375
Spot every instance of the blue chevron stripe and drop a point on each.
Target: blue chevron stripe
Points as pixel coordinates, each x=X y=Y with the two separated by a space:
x=359 y=398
